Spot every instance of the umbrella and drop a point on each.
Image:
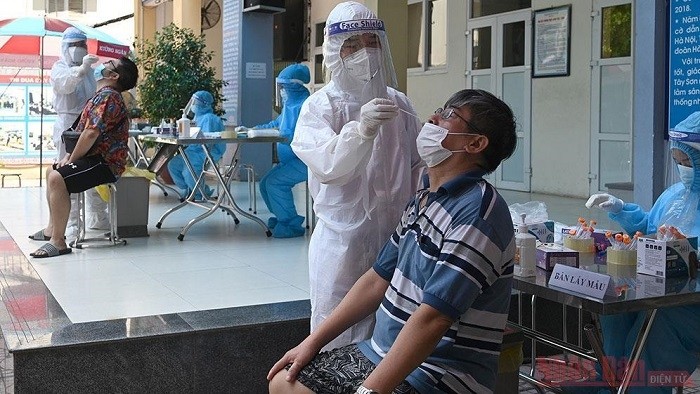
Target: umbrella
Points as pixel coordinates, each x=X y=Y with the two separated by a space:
x=34 y=41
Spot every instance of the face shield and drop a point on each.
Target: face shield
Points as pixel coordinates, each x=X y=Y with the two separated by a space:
x=73 y=46
x=282 y=87
x=683 y=166
x=356 y=52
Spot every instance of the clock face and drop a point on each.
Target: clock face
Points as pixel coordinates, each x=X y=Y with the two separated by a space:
x=211 y=13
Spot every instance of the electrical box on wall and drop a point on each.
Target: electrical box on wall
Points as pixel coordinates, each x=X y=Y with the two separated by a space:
x=265 y=6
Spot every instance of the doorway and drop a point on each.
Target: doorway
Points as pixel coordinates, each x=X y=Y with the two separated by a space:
x=499 y=61
x=611 y=96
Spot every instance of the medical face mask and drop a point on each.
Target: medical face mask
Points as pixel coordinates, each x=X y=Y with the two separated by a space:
x=76 y=54
x=429 y=144
x=97 y=71
x=687 y=174
x=363 y=64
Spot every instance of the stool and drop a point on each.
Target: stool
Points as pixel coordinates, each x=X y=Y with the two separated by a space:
x=111 y=238
x=19 y=179
x=252 y=195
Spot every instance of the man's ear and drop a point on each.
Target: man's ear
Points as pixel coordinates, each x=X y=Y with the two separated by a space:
x=477 y=145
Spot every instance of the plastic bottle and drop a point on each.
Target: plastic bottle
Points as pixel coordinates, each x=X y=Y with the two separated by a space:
x=525 y=251
x=183 y=127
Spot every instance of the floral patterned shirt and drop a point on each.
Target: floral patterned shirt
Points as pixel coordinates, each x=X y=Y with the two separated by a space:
x=106 y=112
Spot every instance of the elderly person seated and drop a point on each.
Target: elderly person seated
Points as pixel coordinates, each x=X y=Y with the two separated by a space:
x=99 y=156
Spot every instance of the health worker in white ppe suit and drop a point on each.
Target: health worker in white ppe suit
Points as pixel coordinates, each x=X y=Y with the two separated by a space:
x=73 y=83
x=673 y=342
x=362 y=159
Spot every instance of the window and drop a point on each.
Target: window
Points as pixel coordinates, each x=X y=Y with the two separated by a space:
x=616 y=32
x=319 y=78
x=63 y=5
x=427 y=33
x=489 y=7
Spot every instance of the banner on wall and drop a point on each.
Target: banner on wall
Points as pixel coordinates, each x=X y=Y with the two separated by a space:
x=684 y=60
x=21 y=111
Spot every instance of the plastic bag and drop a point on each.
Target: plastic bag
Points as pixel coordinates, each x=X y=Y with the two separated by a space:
x=535 y=211
x=103 y=190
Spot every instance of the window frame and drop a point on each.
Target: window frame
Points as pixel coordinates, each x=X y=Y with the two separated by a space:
x=426 y=40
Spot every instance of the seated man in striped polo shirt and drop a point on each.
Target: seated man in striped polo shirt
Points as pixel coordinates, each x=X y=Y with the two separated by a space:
x=440 y=287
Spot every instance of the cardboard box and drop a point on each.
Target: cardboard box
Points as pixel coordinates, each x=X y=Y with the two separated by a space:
x=550 y=254
x=655 y=286
x=544 y=232
x=668 y=259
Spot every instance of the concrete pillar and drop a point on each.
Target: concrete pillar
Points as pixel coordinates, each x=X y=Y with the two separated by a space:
x=187 y=14
x=649 y=110
x=395 y=16
x=144 y=22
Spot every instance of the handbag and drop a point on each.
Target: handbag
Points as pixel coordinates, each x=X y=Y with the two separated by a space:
x=70 y=137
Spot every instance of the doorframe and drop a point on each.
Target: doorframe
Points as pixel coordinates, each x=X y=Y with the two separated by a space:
x=596 y=64
x=496 y=72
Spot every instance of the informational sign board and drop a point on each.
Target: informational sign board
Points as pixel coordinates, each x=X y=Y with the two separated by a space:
x=684 y=60
x=231 y=30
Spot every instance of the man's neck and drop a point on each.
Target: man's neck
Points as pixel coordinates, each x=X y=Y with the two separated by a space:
x=446 y=171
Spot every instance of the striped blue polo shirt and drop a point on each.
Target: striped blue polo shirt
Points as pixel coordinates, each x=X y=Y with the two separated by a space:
x=453 y=250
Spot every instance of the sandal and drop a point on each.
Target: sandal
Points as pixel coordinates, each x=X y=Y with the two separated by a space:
x=49 y=250
x=40 y=236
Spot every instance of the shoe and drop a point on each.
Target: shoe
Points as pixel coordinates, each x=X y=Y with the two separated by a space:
x=283 y=231
x=271 y=222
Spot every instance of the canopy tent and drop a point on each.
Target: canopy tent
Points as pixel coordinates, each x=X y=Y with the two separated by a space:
x=36 y=41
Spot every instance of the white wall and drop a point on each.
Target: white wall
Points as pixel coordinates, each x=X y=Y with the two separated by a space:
x=430 y=89
x=561 y=114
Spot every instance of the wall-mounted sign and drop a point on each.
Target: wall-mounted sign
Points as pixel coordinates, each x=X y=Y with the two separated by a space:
x=684 y=60
x=552 y=35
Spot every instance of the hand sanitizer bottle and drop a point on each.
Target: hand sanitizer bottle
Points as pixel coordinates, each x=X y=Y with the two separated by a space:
x=525 y=251
x=183 y=127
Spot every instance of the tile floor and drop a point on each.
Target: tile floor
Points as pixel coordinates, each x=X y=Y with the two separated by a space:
x=217 y=265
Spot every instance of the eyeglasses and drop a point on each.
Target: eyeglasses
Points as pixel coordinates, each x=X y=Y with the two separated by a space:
x=111 y=63
x=447 y=113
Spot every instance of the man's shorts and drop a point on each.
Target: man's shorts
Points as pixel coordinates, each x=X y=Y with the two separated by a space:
x=85 y=173
x=341 y=371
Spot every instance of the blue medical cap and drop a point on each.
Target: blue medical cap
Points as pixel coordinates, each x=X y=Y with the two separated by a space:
x=204 y=97
x=298 y=72
x=73 y=34
x=691 y=124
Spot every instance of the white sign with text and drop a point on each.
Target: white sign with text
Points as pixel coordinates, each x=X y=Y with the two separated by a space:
x=581 y=281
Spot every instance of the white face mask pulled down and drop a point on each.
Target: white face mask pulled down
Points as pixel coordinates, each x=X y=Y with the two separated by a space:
x=429 y=143
x=76 y=55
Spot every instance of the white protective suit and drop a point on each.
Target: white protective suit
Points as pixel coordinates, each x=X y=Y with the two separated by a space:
x=73 y=84
x=359 y=186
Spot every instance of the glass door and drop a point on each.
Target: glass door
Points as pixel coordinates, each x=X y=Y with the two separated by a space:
x=499 y=52
x=611 y=95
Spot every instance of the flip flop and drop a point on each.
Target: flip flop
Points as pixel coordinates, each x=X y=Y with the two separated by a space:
x=40 y=236
x=49 y=250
